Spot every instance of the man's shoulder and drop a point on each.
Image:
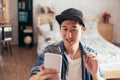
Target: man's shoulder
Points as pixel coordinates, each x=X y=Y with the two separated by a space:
x=52 y=47
x=88 y=48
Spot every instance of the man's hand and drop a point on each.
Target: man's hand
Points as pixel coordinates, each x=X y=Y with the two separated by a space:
x=45 y=74
x=91 y=63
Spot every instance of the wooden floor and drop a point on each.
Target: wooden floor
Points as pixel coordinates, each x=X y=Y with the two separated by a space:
x=17 y=66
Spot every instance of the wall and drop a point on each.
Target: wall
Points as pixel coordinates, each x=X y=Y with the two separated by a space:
x=0 y=10
x=13 y=19
x=90 y=8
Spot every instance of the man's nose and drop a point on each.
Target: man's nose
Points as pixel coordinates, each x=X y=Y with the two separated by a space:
x=68 y=34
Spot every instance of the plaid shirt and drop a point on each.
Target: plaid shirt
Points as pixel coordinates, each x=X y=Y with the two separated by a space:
x=60 y=49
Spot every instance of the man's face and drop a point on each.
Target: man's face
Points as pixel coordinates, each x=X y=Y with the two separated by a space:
x=71 y=32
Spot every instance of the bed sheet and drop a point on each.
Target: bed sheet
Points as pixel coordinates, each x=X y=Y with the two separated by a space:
x=108 y=53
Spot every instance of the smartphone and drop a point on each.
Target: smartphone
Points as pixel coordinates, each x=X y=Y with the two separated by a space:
x=53 y=61
x=87 y=58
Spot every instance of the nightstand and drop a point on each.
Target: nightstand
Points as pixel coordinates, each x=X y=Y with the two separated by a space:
x=106 y=31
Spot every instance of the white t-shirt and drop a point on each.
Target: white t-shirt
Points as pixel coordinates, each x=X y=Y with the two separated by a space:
x=75 y=69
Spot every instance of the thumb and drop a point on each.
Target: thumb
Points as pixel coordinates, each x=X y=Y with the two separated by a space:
x=42 y=67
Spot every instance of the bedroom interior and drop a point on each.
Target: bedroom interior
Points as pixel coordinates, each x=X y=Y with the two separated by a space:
x=103 y=34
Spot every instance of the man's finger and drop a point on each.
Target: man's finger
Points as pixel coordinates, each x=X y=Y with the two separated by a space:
x=42 y=67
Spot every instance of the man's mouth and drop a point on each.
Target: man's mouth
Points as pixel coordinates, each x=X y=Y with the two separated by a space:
x=69 y=40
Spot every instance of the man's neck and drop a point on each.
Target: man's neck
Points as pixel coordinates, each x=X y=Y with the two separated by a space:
x=73 y=52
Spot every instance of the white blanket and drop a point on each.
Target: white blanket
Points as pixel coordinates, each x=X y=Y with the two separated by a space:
x=108 y=53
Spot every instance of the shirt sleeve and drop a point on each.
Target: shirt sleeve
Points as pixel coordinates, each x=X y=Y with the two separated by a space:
x=101 y=74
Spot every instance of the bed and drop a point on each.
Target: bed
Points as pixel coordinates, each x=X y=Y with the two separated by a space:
x=108 y=53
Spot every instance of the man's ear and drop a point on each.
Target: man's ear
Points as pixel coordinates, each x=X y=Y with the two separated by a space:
x=84 y=29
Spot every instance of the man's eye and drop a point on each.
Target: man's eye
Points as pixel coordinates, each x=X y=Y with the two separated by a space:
x=64 y=29
x=74 y=29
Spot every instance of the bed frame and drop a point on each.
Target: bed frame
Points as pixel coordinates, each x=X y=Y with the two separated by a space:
x=112 y=74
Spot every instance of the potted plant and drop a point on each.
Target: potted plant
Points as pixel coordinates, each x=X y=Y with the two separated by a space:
x=106 y=17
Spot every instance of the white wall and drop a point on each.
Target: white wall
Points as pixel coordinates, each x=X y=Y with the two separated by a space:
x=13 y=19
x=90 y=8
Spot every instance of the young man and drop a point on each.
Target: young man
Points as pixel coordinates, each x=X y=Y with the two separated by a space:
x=79 y=61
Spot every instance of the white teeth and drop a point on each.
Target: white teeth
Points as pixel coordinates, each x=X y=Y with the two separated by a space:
x=69 y=40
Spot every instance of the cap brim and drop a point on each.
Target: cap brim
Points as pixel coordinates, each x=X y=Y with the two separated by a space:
x=61 y=18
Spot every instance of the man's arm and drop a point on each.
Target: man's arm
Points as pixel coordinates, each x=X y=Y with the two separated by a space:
x=92 y=65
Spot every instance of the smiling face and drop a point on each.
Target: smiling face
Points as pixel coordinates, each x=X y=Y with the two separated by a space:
x=71 y=32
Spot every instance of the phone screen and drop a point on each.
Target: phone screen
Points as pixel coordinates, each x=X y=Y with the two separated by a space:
x=53 y=61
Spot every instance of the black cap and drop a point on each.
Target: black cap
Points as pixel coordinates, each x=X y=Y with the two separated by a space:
x=71 y=14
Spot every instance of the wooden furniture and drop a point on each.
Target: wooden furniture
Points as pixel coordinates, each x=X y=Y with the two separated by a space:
x=45 y=18
x=25 y=23
x=112 y=74
x=6 y=13
x=106 y=31
x=6 y=38
x=46 y=14
x=4 y=16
